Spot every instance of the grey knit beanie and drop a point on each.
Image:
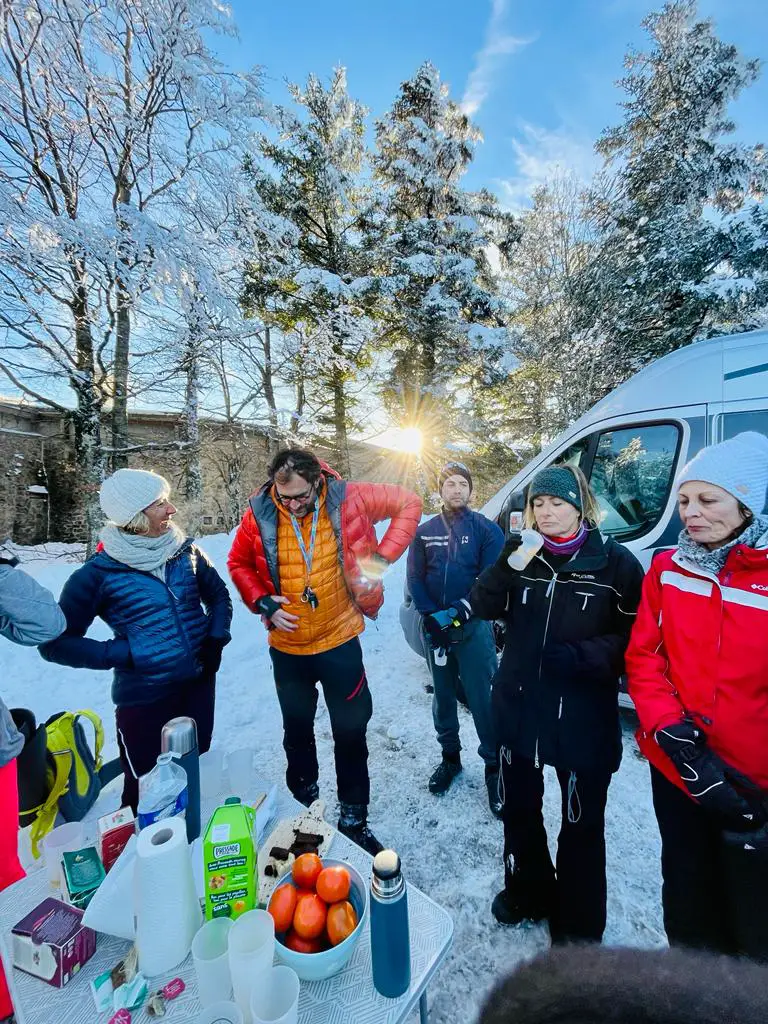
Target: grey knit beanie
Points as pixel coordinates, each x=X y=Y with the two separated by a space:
x=559 y=482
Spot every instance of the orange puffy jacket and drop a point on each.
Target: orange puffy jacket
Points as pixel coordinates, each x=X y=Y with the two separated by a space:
x=353 y=509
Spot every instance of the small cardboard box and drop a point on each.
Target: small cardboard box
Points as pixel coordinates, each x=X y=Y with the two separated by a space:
x=114 y=832
x=229 y=862
x=83 y=874
x=51 y=942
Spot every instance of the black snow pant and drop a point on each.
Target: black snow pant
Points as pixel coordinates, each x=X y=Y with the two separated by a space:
x=139 y=727
x=574 y=892
x=715 y=896
x=341 y=673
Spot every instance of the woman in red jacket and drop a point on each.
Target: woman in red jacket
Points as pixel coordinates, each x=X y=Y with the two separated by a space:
x=698 y=673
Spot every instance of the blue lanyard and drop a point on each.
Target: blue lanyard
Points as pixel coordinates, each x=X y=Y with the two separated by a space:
x=306 y=555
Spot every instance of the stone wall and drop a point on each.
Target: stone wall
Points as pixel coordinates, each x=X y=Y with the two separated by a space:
x=37 y=451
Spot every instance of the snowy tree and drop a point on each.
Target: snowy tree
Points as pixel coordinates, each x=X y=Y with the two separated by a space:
x=554 y=383
x=110 y=112
x=444 y=319
x=682 y=247
x=310 y=175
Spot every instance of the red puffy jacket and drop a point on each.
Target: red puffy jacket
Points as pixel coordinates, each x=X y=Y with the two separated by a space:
x=353 y=508
x=699 y=647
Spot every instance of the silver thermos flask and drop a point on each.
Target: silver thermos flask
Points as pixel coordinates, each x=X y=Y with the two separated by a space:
x=179 y=737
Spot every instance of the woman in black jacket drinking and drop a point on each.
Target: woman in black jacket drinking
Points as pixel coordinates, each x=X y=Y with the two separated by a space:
x=568 y=617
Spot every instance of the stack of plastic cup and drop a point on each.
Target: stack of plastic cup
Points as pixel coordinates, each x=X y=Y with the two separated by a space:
x=275 y=997
x=251 y=949
x=221 y=1013
x=240 y=770
x=63 y=839
x=211 y=959
x=211 y=770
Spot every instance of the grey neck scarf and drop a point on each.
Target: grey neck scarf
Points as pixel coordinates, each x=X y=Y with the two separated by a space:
x=148 y=554
x=754 y=536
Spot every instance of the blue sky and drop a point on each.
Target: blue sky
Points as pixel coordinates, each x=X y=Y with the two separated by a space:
x=539 y=73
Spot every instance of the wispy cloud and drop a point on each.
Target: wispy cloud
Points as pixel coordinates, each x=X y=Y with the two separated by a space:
x=541 y=154
x=498 y=45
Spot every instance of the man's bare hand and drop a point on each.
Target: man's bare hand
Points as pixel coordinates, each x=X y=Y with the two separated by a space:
x=282 y=619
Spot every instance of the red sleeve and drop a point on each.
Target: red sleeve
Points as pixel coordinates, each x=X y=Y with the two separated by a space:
x=647 y=664
x=242 y=563
x=403 y=507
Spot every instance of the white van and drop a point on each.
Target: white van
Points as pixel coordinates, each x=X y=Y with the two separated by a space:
x=633 y=443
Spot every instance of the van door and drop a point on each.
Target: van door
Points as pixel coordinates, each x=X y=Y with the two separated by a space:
x=631 y=466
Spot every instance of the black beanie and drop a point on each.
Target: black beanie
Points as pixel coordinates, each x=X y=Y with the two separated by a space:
x=454 y=469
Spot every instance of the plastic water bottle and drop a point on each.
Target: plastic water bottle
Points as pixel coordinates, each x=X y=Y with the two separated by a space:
x=390 y=936
x=179 y=737
x=163 y=792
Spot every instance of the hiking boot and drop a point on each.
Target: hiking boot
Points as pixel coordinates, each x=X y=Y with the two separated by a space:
x=353 y=823
x=511 y=910
x=442 y=777
x=492 y=785
x=308 y=794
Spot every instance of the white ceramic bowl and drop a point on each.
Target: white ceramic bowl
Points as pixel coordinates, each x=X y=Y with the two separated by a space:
x=319 y=966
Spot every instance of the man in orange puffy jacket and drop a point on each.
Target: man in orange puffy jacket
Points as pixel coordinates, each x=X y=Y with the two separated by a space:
x=306 y=558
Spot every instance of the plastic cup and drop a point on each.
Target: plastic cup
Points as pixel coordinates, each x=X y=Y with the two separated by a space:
x=275 y=997
x=240 y=769
x=211 y=959
x=63 y=839
x=532 y=542
x=211 y=771
x=221 y=1013
x=251 y=950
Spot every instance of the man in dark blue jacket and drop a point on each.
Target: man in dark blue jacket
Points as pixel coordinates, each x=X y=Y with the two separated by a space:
x=447 y=555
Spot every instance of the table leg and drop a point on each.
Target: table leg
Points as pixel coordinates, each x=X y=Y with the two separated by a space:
x=423 y=1008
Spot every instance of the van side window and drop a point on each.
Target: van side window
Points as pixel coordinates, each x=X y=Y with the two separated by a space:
x=751 y=419
x=631 y=477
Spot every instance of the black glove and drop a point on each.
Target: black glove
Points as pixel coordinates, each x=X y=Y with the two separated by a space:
x=754 y=842
x=559 y=660
x=209 y=654
x=441 y=628
x=267 y=606
x=462 y=612
x=706 y=777
x=512 y=543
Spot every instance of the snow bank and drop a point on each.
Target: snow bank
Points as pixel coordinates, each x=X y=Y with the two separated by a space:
x=451 y=846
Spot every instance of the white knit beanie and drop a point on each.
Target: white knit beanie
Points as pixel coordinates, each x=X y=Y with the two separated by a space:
x=129 y=491
x=738 y=465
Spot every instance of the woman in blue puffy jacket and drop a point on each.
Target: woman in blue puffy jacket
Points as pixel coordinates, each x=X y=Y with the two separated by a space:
x=170 y=613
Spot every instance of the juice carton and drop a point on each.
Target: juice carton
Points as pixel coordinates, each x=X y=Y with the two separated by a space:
x=229 y=861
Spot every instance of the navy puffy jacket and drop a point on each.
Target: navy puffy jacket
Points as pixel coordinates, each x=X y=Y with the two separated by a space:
x=159 y=627
x=447 y=555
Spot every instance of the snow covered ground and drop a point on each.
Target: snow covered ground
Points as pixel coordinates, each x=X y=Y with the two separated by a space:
x=450 y=846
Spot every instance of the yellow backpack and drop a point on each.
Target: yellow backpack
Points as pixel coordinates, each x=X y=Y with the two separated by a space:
x=73 y=780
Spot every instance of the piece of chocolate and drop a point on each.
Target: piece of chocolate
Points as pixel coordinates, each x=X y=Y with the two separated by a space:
x=270 y=871
x=312 y=838
x=279 y=853
x=300 y=848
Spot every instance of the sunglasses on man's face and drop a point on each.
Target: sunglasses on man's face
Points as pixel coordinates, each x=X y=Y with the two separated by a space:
x=287 y=499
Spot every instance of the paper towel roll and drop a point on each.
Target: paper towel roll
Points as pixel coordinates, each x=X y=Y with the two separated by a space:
x=167 y=909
